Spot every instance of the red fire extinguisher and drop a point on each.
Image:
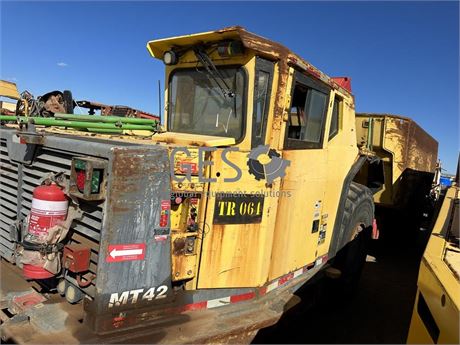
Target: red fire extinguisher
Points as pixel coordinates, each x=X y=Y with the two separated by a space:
x=49 y=207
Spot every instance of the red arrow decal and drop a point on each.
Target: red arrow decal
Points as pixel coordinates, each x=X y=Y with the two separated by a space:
x=126 y=252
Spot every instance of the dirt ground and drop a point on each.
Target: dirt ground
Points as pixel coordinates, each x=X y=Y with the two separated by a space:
x=380 y=309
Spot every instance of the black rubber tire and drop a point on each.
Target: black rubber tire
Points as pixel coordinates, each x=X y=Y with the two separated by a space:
x=359 y=210
x=68 y=101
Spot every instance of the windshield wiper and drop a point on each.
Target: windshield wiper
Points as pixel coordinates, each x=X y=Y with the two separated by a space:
x=213 y=72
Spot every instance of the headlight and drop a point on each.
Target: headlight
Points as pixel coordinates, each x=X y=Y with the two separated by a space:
x=170 y=58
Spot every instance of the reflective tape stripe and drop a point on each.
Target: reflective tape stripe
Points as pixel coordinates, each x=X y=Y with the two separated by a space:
x=223 y=301
x=195 y=306
x=218 y=302
x=272 y=286
x=242 y=297
x=48 y=213
x=298 y=272
x=46 y=205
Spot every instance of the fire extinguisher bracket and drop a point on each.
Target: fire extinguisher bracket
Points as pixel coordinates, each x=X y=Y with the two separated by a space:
x=88 y=178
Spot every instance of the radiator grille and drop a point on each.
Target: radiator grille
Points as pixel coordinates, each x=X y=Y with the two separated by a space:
x=85 y=231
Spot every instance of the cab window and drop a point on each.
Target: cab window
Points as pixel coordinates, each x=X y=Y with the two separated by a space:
x=335 y=119
x=307 y=114
x=197 y=105
x=262 y=90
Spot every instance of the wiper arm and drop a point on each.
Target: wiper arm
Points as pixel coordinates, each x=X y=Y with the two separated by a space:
x=213 y=72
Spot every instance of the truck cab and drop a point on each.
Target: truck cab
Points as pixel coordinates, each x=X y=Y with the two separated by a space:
x=261 y=100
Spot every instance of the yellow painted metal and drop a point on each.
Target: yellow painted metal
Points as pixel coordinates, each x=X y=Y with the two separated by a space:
x=236 y=255
x=313 y=184
x=183 y=265
x=438 y=280
x=185 y=139
x=403 y=146
x=9 y=89
x=341 y=152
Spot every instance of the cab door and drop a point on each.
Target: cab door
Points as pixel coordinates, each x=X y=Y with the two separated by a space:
x=299 y=214
x=238 y=237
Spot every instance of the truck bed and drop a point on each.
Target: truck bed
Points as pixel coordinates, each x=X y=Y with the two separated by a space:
x=408 y=153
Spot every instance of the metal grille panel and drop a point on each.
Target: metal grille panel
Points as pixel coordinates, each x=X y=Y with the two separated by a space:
x=8 y=200
x=85 y=231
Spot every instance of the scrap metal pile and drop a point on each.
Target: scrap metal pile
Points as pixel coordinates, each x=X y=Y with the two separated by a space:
x=56 y=109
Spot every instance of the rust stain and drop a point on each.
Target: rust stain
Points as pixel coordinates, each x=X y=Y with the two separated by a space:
x=179 y=246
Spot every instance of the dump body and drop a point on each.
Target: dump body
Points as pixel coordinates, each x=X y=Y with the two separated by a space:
x=408 y=155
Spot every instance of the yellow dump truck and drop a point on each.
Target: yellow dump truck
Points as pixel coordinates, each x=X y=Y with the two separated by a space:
x=435 y=318
x=198 y=232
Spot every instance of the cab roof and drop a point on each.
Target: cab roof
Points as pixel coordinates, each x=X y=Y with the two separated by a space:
x=262 y=46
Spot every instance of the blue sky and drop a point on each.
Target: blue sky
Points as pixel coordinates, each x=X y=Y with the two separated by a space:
x=402 y=56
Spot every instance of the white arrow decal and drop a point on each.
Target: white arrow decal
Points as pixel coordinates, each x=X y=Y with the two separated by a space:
x=126 y=252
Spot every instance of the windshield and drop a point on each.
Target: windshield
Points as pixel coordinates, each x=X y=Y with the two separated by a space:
x=198 y=106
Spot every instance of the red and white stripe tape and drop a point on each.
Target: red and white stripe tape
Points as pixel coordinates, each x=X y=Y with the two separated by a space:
x=223 y=301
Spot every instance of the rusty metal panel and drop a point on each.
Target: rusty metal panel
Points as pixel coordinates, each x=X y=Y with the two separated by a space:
x=261 y=45
x=422 y=150
x=139 y=183
x=411 y=146
x=408 y=153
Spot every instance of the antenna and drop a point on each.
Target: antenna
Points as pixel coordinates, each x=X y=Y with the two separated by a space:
x=159 y=101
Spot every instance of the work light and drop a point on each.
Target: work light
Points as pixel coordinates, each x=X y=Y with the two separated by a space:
x=170 y=58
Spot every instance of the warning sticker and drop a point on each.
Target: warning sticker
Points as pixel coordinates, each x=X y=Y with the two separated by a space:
x=164 y=214
x=126 y=252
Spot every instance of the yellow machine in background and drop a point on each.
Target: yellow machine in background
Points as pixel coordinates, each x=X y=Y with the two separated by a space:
x=435 y=319
x=8 y=90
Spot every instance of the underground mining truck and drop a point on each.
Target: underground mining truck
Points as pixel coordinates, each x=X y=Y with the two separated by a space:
x=198 y=232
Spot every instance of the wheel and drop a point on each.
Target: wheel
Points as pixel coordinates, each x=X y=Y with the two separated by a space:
x=356 y=232
x=68 y=101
